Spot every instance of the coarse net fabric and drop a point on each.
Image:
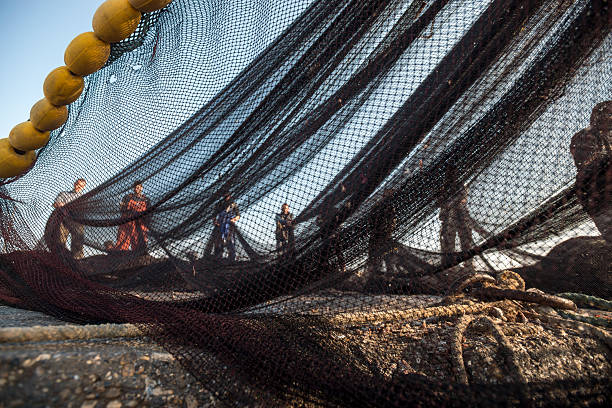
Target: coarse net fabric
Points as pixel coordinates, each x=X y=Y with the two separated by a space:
x=435 y=157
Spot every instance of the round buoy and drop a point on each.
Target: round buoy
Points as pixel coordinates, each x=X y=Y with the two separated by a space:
x=46 y=116
x=147 y=6
x=13 y=163
x=26 y=137
x=115 y=20
x=62 y=87
x=86 y=54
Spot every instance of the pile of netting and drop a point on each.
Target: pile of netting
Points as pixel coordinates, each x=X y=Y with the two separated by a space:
x=340 y=203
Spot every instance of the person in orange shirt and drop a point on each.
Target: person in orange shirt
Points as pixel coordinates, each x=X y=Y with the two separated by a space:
x=133 y=233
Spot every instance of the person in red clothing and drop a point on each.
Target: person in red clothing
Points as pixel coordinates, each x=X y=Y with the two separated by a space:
x=133 y=233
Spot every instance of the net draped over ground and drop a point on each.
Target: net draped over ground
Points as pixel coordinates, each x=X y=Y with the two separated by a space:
x=410 y=140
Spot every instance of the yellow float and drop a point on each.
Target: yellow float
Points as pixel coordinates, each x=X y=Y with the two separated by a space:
x=115 y=20
x=26 y=137
x=62 y=87
x=13 y=163
x=86 y=54
x=147 y=6
x=46 y=116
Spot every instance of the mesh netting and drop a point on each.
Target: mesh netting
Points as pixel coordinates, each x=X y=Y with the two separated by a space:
x=313 y=202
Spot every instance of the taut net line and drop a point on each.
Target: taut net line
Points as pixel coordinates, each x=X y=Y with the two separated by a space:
x=421 y=147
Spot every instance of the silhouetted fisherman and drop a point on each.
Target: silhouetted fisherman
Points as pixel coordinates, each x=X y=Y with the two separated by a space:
x=68 y=227
x=285 y=240
x=592 y=153
x=133 y=234
x=456 y=220
x=329 y=225
x=224 y=232
x=382 y=223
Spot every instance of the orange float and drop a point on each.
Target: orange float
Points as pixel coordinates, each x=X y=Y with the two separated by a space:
x=46 y=116
x=13 y=163
x=147 y=6
x=86 y=54
x=115 y=20
x=26 y=137
x=62 y=87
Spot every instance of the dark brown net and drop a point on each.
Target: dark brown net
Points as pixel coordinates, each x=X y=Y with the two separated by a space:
x=422 y=148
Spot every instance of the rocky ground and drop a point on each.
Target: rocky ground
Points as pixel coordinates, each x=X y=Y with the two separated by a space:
x=97 y=373
x=491 y=344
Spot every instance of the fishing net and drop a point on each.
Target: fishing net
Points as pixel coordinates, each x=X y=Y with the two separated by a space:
x=436 y=158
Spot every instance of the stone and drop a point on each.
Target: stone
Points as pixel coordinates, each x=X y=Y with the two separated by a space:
x=65 y=394
x=127 y=370
x=157 y=391
x=112 y=393
x=162 y=356
x=191 y=402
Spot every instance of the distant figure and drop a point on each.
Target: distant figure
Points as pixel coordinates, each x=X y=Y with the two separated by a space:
x=592 y=155
x=224 y=233
x=133 y=233
x=329 y=226
x=285 y=240
x=346 y=191
x=111 y=249
x=456 y=220
x=70 y=228
x=382 y=224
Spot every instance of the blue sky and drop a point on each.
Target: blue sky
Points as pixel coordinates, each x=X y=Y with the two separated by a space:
x=35 y=34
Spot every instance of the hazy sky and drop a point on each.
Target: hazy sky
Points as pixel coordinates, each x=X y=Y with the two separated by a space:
x=34 y=35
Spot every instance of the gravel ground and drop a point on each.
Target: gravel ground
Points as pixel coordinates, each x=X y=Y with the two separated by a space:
x=101 y=373
x=11 y=317
x=121 y=372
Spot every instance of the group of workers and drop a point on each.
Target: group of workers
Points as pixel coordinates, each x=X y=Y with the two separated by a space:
x=132 y=234
x=590 y=149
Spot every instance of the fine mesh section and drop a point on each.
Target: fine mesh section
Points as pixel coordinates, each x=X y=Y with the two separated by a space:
x=436 y=157
x=147 y=21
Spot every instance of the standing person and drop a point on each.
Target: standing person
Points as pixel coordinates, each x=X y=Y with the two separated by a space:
x=68 y=227
x=133 y=232
x=382 y=223
x=456 y=220
x=592 y=153
x=285 y=240
x=225 y=218
x=329 y=227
